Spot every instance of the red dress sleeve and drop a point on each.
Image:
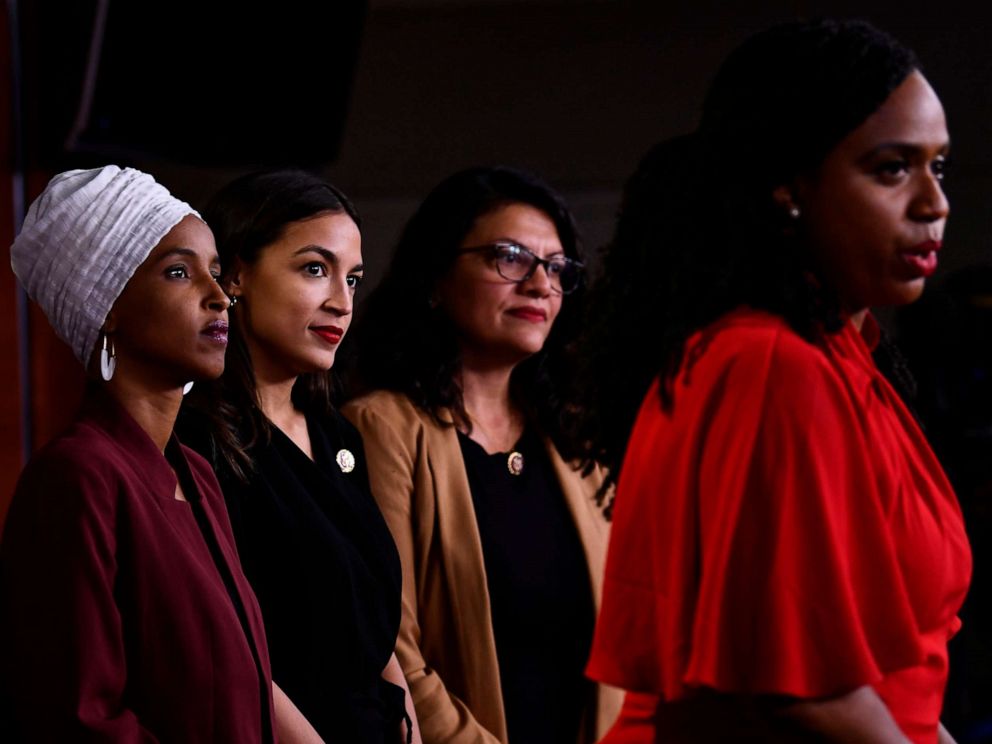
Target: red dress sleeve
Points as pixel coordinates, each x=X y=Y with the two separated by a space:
x=767 y=565
x=62 y=642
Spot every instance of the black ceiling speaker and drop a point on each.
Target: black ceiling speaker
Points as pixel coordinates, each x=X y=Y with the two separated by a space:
x=193 y=81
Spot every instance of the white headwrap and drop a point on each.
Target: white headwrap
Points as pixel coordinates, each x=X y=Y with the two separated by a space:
x=82 y=241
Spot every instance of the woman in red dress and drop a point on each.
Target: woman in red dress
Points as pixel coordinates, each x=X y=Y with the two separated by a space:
x=787 y=556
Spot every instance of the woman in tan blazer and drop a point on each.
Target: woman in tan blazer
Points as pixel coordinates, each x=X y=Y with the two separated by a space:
x=464 y=346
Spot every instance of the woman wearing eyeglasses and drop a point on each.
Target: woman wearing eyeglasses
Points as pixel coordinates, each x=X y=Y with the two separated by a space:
x=464 y=345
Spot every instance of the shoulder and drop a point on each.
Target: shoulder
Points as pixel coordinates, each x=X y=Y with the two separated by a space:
x=397 y=435
x=747 y=374
x=591 y=475
x=750 y=381
x=750 y=336
x=751 y=348
x=386 y=408
x=82 y=471
x=84 y=453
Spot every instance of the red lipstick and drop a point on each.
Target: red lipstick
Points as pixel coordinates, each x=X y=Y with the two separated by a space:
x=216 y=331
x=922 y=259
x=331 y=334
x=531 y=314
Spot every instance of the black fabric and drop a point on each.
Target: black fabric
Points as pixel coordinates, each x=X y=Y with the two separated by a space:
x=174 y=455
x=326 y=572
x=539 y=590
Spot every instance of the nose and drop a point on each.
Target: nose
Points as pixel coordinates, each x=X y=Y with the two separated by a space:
x=539 y=283
x=930 y=203
x=340 y=298
x=214 y=296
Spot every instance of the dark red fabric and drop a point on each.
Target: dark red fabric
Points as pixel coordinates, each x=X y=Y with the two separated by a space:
x=784 y=530
x=116 y=624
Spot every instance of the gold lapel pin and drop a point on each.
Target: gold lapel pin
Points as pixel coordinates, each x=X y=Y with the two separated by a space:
x=515 y=463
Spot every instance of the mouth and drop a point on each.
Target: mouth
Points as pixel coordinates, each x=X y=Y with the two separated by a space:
x=216 y=331
x=922 y=259
x=530 y=314
x=330 y=334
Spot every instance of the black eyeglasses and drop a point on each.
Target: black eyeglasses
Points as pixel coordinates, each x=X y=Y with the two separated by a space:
x=517 y=264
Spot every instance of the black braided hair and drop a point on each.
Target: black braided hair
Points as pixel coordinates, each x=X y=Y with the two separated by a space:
x=698 y=232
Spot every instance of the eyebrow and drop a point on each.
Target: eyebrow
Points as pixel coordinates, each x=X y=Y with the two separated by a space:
x=906 y=147
x=179 y=251
x=327 y=255
x=499 y=241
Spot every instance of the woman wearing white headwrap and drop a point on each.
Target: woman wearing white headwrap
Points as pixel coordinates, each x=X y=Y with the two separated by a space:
x=124 y=613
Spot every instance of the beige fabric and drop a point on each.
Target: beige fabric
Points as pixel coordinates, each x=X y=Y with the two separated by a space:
x=446 y=644
x=82 y=240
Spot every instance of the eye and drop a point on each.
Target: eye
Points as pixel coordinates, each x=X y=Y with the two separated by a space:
x=508 y=254
x=939 y=168
x=557 y=266
x=177 y=272
x=315 y=269
x=891 y=171
x=354 y=280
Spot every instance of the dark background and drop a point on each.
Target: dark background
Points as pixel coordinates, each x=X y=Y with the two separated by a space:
x=388 y=97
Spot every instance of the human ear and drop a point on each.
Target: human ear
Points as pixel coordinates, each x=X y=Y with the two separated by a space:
x=784 y=198
x=232 y=279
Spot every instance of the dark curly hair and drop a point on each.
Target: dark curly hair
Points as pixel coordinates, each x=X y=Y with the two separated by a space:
x=698 y=232
x=246 y=216
x=406 y=345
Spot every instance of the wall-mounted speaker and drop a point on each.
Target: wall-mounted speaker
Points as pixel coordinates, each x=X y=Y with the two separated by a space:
x=198 y=82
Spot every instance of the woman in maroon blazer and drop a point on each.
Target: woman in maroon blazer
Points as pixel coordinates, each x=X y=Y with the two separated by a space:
x=125 y=614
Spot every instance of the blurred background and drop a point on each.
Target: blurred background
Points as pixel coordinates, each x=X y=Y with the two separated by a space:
x=386 y=97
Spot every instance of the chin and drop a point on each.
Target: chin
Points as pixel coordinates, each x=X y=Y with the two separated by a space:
x=530 y=343
x=909 y=292
x=317 y=363
x=522 y=352
x=210 y=371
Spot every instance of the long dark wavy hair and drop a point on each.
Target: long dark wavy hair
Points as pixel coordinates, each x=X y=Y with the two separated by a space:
x=246 y=216
x=699 y=233
x=407 y=345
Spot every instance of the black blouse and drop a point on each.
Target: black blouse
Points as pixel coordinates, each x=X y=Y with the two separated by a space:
x=326 y=572
x=539 y=591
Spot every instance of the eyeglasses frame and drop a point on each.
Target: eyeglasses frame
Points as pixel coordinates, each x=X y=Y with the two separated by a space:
x=538 y=261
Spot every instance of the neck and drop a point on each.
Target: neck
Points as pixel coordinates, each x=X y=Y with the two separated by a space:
x=486 y=392
x=276 y=399
x=274 y=387
x=858 y=318
x=496 y=422
x=154 y=410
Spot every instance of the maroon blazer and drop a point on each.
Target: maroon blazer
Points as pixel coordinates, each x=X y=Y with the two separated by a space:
x=118 y=624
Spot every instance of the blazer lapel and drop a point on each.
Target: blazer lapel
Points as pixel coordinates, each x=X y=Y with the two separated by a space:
x=592 y=527
x=594 y=531
x=461 y=549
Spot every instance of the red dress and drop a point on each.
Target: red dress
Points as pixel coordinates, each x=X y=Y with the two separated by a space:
x=784 y=530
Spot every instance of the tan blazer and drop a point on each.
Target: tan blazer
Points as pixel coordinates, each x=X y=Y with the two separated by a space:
x=446 y=644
